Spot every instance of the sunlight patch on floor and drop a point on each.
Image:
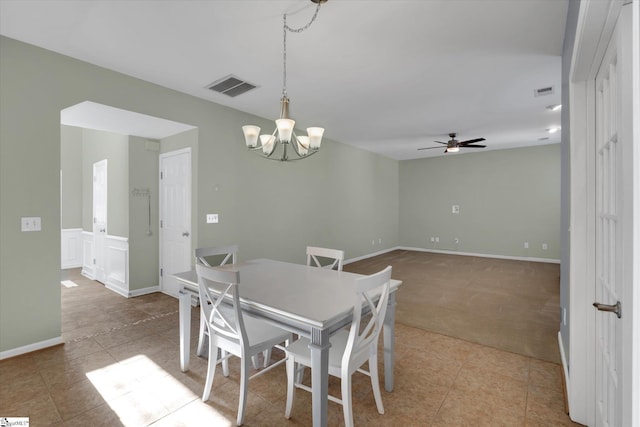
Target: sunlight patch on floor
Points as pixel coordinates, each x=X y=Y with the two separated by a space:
x=140 y=392
x=68 y=283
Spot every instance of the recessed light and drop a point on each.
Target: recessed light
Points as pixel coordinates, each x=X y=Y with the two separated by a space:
x=553 y=130
x=554 y=107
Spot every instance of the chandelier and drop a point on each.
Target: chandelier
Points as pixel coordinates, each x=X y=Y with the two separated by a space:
x=284 y=136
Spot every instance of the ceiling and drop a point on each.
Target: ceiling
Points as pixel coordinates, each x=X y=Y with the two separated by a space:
x=386 y=76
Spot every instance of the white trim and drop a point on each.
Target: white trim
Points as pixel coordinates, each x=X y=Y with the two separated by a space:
x=71 y=248
x=438 y=251
x=565 y=366
x=31 y=347
x=144 y=291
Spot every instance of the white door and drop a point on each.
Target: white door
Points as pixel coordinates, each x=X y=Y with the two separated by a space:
x=175 y=217
x=100 y=220
x=614 y=226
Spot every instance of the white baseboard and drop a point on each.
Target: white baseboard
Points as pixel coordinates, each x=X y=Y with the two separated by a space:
x=515 y=258
x=437 y=251
x=31 y=347
x=144 y=291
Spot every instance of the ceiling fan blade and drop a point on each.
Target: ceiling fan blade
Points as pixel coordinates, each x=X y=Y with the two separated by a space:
x=471 y=141
x=472 y=146
x=427 y=148
x=440 y=142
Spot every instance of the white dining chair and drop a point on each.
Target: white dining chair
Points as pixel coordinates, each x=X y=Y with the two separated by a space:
x=212 y=256
x=350 y=349
x=231 y=331
x=318 y=257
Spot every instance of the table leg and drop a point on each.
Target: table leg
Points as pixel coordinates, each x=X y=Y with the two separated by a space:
x=184 y=301
x=389 y=337
x=319 y=347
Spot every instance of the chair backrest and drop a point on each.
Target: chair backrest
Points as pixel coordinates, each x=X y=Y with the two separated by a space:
x=227 y=254
x=315 y=257
x=216 y=286
x=362 y=337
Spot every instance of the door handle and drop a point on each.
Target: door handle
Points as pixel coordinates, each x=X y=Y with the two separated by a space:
x=185 y=234
x=615 y=308
x=102 y=230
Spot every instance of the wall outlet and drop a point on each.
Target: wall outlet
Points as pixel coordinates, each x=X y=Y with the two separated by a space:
x=437 y=239
x=380 y=241
x=30 y=223
x=456 y=240
x=212 y=218
x=373 y=242
x=544 y=246
x=526 y=245
x=433 y=239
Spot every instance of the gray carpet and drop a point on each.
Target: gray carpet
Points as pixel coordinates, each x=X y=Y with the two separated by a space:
x=505 y=304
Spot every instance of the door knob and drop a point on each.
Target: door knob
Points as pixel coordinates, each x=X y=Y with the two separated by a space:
x=102 y=230
x=615 y=308
x=185 y=234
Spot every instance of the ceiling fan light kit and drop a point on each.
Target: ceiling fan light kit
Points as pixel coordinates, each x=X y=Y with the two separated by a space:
x=453 y=146
x=302 y=146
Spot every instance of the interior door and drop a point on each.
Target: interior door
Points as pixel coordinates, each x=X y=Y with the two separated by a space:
x=614 y=225
x=175 y=217
x=100 y=220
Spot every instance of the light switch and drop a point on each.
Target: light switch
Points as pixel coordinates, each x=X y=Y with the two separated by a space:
x=455 y=209
x=30 y=223
x=212 y=218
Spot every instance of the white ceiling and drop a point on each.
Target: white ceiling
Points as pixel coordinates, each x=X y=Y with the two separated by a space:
x=389 y=76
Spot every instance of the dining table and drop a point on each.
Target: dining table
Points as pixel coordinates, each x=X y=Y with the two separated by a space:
x=309 y=301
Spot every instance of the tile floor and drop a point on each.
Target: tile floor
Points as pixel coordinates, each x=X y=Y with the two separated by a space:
x=119 y=367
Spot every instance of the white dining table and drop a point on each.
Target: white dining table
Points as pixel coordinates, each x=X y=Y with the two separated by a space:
x=309 y=301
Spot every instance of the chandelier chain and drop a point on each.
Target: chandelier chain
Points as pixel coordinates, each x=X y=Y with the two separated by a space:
x=286 y=28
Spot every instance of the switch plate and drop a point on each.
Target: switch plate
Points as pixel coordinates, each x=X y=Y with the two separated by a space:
x=30 y=223
x=455 y=209
x=212 y=218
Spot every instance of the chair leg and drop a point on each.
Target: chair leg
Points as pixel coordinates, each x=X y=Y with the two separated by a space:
x=347 y=401
x=255 y=361
x=291 y=389
x=375 y=381
x=211 y=368
x=201 y=336
x=244 y=386
x=225 y=363
x=267 y=357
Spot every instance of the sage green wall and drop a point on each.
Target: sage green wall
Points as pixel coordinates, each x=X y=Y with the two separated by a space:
x=98 y=145
x=143 y=247
x=506 y=198
x=71 y=167
x=343 y=197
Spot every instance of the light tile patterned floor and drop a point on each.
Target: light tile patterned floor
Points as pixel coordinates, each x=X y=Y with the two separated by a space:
x=120 y=368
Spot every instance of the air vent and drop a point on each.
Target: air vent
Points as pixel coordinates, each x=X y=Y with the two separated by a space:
x=543 y=91
x=231 y=86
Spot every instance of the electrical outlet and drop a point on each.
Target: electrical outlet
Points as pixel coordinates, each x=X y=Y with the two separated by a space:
x=380 y=241
x=456 y=240
x=455 y=209
x=373 y=242
x=544 y=246
x=433 y=239
x=212 y=218
x=526 y=245
x=437 y=239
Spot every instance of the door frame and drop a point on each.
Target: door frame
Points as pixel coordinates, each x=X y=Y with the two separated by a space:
x=161 y=215
x=99 y=238
x=596 y=21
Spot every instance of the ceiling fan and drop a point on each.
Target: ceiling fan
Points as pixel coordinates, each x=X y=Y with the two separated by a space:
x=453 y=145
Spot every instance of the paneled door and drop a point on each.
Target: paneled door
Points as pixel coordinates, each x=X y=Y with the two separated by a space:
x=614 y=225
x=175 y=217
x=100 y=220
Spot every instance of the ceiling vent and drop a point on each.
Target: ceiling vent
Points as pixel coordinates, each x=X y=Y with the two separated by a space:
x=231 y=86
x=543 y=91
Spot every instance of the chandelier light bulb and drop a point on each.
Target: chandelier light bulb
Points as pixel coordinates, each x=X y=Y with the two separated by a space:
x=251 y=135
x=315 y=137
